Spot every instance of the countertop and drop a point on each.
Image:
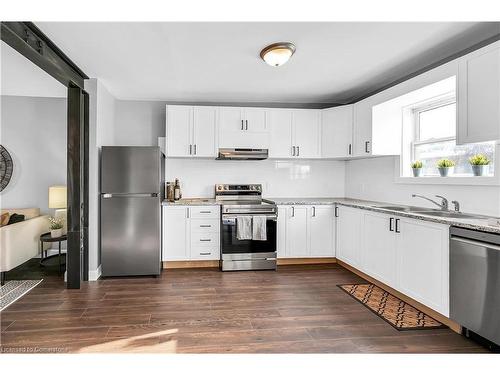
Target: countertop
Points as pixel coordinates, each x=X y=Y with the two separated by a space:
x=479 y=223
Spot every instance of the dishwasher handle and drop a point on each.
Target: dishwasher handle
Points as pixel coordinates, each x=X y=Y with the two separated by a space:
x=475 y=243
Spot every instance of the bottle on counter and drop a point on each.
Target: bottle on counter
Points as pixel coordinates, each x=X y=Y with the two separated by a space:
x=170 y=191
x=177 y=190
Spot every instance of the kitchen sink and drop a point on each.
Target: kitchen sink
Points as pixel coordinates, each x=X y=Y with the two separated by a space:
x=402 y=208
x=450 y=214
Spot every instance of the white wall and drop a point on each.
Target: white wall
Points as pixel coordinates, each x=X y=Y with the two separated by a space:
x=139 y=123
x=101 y=132
x=280 y=178
x=33 y=130
x=373 y=179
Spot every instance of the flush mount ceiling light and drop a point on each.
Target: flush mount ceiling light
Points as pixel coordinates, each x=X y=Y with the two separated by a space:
x=277 y=54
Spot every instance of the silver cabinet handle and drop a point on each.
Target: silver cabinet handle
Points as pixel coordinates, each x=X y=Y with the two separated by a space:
x=205 y=240
x=242 y=125
x=195 y=149
x=187 y=212
x=246 y=124
x=293 y=211
x=397 y=226
x=205 y=212
x=293 y=150
x=366 y=147
x=298 y=150
x=205 y=253
x=205 y=226
x=350 y=149
x=336 y=211
x=314 y=211
x=190 y=149
x=391 y=224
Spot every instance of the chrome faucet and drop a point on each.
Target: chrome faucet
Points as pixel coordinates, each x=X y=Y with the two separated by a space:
x=457 y=205
x=443 y=205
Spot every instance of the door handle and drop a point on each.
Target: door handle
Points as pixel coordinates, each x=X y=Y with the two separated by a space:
x=242 y=125
x=391 y=224
x=366 y=147
x=187 y=212
x=205 y=226
x=293 y=211
x=298 y=150
x=205 y=212
x=195 y=149
x=350 y=149
x=246 y=124
x=397 y=226
x=190 y=149
x=314 y=211
x=293 y=150
x=336 y=211
x=205 y=253
x=205 y=240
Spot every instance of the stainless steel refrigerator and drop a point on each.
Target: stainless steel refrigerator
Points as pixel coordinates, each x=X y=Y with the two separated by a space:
x=130 y=211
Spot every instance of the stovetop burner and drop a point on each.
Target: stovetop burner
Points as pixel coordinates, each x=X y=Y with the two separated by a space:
x=243 y=199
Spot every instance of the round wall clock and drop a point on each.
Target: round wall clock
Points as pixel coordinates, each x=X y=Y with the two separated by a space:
x=6 y=167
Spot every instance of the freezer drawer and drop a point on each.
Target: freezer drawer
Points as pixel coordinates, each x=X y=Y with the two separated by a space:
x=130 y=235
x=475 y=284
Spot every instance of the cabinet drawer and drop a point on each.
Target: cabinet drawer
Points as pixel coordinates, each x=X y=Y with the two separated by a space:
x=205 y=225
x=208 y=253
x=204 y=239
x=199 y=212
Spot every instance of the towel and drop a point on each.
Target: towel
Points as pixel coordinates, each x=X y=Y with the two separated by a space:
x=259 y=230
x=244 y=228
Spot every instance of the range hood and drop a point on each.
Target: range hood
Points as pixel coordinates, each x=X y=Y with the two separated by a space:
x=242 y=154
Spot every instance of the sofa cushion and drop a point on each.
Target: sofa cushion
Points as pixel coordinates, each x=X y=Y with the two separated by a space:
x=4 y=219
x=29 y=213
x=15 y=218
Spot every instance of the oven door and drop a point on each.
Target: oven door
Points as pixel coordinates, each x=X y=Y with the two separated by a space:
x=231 y=245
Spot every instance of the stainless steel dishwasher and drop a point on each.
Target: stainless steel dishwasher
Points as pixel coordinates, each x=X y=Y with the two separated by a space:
x=475 y=282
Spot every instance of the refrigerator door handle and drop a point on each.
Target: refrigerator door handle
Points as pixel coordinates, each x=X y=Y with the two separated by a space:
x=134 y=195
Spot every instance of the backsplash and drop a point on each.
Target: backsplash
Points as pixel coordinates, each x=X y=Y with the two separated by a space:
x=279 y=178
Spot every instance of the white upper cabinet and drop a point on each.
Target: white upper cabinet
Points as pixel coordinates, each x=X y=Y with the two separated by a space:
x=362 y=130
x=190 y=131
x=294 y=133
x=243 y=128
x=479 y=95
x=306 y=133
x=280 y=133
x=336 y=131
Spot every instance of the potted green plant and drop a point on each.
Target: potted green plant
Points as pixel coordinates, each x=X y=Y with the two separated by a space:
x=445 y=167
x=56 y=227
x=480 y=164
x=416 y=166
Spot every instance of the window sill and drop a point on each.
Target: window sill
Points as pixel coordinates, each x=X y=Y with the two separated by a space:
x=451 y=180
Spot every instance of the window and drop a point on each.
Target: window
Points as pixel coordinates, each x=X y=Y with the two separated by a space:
x=434 y=138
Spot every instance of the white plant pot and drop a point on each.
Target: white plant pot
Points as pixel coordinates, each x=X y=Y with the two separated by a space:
x=54 y=233
x=480 y=170
x=417 y=172
x=444 y=172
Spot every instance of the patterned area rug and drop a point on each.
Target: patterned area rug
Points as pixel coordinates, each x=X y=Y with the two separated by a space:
x=394 y=311
x=15 y=289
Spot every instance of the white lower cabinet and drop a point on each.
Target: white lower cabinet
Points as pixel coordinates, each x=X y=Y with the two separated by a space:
x=349 y=222
x=409 y=255
x=378 y=249
x=191 y=233
x=306 y=231
x=423 y=263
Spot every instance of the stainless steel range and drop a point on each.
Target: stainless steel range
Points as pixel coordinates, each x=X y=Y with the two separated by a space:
x=245 y=203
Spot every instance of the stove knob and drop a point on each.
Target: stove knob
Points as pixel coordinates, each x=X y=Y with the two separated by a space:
x=219 y=187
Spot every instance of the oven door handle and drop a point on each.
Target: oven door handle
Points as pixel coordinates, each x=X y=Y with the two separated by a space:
x=268 y=217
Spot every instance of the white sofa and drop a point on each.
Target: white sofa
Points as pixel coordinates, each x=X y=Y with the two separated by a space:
x=20 y=242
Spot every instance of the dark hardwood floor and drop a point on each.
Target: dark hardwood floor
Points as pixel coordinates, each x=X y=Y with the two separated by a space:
x=298 y=309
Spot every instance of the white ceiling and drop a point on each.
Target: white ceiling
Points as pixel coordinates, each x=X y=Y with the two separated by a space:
x=21 y=77
x=219 y=62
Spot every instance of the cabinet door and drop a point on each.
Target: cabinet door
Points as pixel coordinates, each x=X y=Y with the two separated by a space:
x=255 y=119
x=230 y=119
x=306 y=132
x=280 y=127
x=297 y=232
x=175 y=237
x=362 y=129
x=336 y=131
x=423 y=263
x=479 y=95
x=281 y=235
x=204 y=120
x=349 y=227
x=378 y=256
x=178 y=120
x=321 y=231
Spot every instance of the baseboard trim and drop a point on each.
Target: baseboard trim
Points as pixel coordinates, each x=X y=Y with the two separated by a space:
x=432 y=313
x=172 y=264
x=94 y=275
x=294 y=261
